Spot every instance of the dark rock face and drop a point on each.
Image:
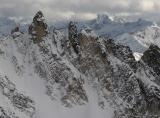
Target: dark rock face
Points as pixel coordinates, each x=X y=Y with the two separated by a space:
x=115 y=74
x=152 y=58
x=73 y=36
x=115 y=79
x=38 y=28
x=151 y=65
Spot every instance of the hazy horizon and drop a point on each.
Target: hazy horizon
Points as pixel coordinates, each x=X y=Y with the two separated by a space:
x=55 y=10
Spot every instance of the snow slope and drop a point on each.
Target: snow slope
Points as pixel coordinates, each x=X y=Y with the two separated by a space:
x=49 y=80
x=139 y=41
x=15 y=64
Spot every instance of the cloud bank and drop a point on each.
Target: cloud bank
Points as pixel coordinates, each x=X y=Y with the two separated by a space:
x=84 y=9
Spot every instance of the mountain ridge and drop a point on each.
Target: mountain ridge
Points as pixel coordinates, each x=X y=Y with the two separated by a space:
x=49 y=78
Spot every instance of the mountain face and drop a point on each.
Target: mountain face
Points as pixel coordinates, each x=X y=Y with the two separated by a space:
x=79 y=74
x=151 y=58
x=38 y=28
x=138 y=35
x=50 y=78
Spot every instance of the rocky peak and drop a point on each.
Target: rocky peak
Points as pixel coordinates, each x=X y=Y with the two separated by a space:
x=38 y=28
x=103 y=19
x=38 y=17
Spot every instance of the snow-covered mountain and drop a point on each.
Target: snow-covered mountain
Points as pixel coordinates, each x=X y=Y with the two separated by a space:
x=140 y=40
x=49 y=80
x=7 y=24
x=52 y=83
x=108 y=26
x=77 y=75
x=138 y=35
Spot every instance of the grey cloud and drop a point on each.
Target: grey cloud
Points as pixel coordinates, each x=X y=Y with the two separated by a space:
x=57 y=9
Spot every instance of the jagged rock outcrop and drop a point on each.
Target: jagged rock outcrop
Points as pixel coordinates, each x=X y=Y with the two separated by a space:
x=121 y=52
x=73 y=36
x=112 y=74
x=113 y=70
x=38 y=28
x=16 y=32
x=151 y=58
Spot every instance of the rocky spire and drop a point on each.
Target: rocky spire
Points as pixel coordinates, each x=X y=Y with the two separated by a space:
x=73 y=36
x=38 y=28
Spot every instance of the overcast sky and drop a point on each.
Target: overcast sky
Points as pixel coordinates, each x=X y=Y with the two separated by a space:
x=83 y=9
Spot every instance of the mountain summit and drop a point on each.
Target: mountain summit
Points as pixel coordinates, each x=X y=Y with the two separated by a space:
x=38 y=28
